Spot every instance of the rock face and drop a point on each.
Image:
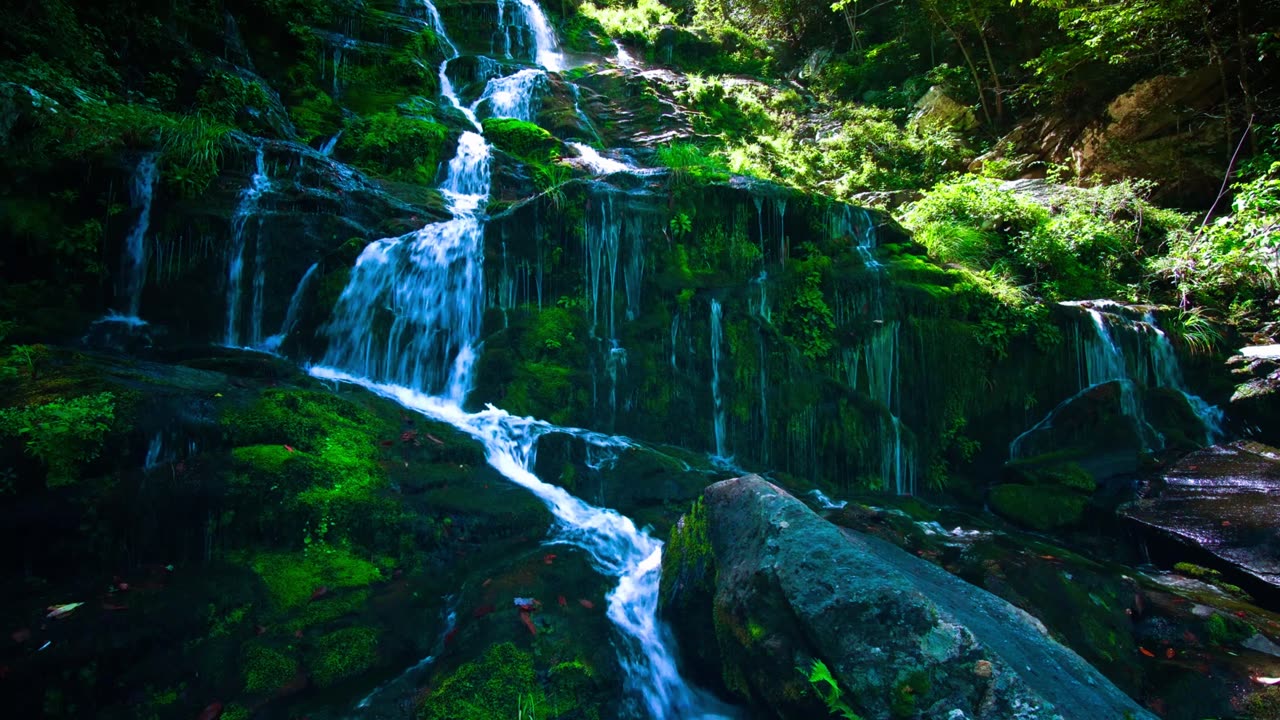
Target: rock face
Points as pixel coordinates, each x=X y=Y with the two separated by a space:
x=1218 y=505
x=902 y=637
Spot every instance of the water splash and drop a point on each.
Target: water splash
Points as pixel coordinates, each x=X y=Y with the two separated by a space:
x=141 y=192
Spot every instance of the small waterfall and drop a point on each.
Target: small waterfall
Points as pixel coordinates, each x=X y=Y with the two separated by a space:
x=531 y=20
x=272 y=343
x=1168 y=374
x=601 y=165
x=603 y=240
x=141 y=192
x=717 y=401
x=514 y=96
x=327 y=148
x=248 y=206
x=430 y=283
x=1134 y=354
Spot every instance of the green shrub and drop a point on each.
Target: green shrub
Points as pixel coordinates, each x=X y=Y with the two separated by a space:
x=63 y=434
x=404 y=148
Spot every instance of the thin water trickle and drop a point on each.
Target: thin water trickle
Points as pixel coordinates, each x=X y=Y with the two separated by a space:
x=141 y=192
x=272 y=344
x=717 y=400
x=259 y=184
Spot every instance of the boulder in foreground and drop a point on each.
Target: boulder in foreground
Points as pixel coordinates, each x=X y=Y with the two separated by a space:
x=759 y=588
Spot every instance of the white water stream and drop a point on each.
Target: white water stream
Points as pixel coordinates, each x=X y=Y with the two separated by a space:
x=407 y=326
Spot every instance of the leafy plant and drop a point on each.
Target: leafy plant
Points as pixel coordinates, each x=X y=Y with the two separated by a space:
x=63 y=434
x=828 y=688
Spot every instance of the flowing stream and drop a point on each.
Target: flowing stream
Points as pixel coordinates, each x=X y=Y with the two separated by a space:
x=407 y=326
x=141 y=192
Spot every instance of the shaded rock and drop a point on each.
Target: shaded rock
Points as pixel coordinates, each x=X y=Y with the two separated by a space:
x=1217 y=507
x=1256 y=400
x=900 y=635
x=940 y=111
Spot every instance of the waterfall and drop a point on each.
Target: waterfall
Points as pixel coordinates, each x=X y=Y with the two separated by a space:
x=272 y=343
x=1134 y=354
x=248 y=206
x=514 y=96
x=1168 y=374
x=327 y=148
x=141 y=191
x=717 y=401
x=407 y=326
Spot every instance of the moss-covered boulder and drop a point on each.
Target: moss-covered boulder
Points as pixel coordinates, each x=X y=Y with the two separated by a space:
x=869 y=625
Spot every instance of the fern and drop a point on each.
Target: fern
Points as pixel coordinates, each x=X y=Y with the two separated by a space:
x=828 y=688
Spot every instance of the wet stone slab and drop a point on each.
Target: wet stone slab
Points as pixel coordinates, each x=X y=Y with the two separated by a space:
x=1224 y=501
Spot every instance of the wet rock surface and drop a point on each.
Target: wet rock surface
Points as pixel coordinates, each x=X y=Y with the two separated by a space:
x=895 y=630
x=1221 y=505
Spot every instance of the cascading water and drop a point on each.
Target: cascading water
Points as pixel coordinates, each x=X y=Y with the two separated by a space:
x=1134 y=354
x=425 y=289
x=717 y=401
x=247 y=208
x=141 y=191
x=272 y=343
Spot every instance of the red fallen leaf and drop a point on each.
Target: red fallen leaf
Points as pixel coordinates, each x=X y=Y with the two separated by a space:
x=289 y=448
x=1241 y=614
x=563 y=603
x=1169 y=653
x=486 y=582
x=1156 y=705
x=548 y=558
x=528 y=621
x=122 y=586
x=387 y=443
x=260 y=630
x=408 y=436
x=22 y=635
x=586 y=603
x=450 y=636
x=482 y=611
x=1049 y=558
x=113 y=606
x=213 y=712
x=434 y=439
x=297 y=634
x=1226 y=523
x=320 y=592
x=1190 y=637
x=1146 y=652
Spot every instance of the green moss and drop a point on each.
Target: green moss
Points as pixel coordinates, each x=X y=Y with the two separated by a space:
x=1226 y=630
x=235 y=712
x=1038 y=507
x=343 y=654
x=524 y=140
x=1195 y=571
x=1034 y=471
x=327 y=609
x=688 y=556
x=292 y=578
x=266 y=670
x=490 y=687
x=903 y=701
x=395 y=146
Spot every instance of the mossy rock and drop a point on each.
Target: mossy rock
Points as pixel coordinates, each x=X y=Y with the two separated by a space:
x=266 y=670
x=343 y=654
x=521 y=139
x=489 y=687
x=1041 y=507
x=1062 y=474
x=292 y=578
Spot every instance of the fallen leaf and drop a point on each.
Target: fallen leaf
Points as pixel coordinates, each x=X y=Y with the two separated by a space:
x=60 y=611
x=586 y=603
x=1267 y=680
x=1146 y=652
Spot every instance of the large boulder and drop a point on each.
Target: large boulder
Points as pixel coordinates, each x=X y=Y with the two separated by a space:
x=761 y=588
